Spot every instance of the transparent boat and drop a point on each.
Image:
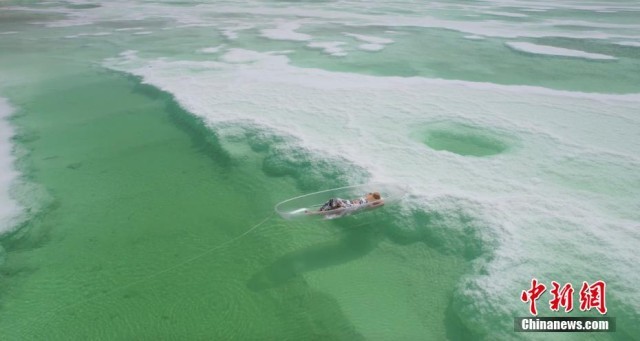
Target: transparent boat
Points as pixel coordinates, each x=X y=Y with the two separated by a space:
x=308 y=205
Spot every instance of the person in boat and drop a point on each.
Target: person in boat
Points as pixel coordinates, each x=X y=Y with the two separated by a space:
x=373 y=199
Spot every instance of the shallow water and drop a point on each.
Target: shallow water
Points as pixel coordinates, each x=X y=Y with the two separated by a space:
x=150 y=135
x=146 y=190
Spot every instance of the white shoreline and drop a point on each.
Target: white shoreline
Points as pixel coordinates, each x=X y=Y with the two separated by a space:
x=10 y=209
x=629 y=43
x=555 y=51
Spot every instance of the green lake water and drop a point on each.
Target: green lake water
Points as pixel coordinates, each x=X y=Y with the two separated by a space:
x=140 y=188
x=154 y=139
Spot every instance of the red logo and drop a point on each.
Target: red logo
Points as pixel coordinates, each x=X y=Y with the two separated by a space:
x=561 y=297
x=591 y=296
x=532 y=295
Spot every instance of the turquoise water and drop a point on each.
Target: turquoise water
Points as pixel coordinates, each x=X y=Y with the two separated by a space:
x=151 y=141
